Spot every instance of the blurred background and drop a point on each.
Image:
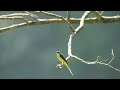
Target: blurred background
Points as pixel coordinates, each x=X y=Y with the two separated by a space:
x=30 y=52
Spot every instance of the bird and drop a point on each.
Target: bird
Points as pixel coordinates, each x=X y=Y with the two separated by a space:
x=61 y=58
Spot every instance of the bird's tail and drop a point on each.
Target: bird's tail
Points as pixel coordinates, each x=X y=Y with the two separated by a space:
x=70 y=70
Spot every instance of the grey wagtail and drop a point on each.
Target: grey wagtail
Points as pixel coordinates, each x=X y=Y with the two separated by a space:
x=63 y=60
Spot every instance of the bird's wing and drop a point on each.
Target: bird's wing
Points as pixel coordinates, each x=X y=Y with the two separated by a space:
x=66 y=63
x=63 y=58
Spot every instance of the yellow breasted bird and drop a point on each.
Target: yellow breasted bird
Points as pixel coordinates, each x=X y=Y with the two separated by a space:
x=63 y=60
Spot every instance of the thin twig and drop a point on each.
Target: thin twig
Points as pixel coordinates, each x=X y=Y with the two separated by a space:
x=68 y=15
x=101 y=12
x=112 y=53
x=109 y=66
x=35 y=17
x=97 y=14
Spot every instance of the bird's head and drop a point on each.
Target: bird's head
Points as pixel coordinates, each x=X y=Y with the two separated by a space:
x=58 y=52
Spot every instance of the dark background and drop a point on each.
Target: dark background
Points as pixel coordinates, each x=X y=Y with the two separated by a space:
x=30 y=52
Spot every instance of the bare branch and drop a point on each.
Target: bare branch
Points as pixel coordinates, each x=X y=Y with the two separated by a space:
x=15 y=14
x=15 y=17
x=12 y=27
x=96 y=62
x=105 y=19
x=82 y=21
x=82 y=60
x=70 y=46
x=76 y=31
x=57 y=16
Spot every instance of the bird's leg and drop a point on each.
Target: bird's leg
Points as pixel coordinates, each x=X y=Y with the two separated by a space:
x=59 y=66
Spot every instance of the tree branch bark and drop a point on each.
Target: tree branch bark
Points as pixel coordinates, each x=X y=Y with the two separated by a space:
x=15 y=16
